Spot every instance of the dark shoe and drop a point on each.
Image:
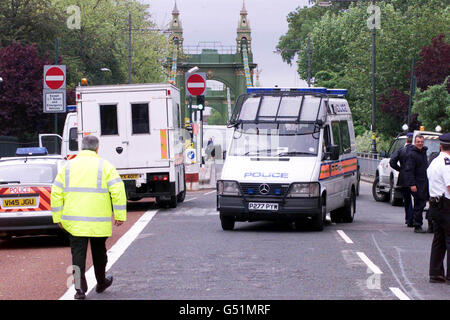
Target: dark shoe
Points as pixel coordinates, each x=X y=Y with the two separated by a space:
x=419 y=230
x=108 y=282
x=410 y=225
x=437 y=279
x=80 y=295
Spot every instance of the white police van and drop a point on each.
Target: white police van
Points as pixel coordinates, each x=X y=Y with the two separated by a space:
x=292 y=157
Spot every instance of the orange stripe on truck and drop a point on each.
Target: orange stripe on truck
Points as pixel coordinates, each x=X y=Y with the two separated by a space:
x=164 y=152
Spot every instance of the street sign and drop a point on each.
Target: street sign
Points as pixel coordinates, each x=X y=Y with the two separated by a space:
x=55 y=77
x=54 y=101
x=196 y=84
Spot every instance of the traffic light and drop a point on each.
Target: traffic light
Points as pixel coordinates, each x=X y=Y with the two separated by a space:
x=201 y=103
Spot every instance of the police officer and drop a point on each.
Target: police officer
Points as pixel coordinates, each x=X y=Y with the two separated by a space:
x=400 y=156
x=439 y=178
x=84 y=193
x=416 y=179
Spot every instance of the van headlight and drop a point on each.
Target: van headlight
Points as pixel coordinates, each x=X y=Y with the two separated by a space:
x=304 y=190
x=228 y=188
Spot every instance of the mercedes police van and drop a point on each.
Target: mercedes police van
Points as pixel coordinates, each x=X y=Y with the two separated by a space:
x=292 y=157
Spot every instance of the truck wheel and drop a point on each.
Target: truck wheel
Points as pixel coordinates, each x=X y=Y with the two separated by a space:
x=181 y=196
x=173 y=202
x=227 y=223
x=376 y=193
x=348 y=212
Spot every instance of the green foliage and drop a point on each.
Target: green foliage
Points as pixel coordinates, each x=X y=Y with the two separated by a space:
x=341 y=50
x=364 y=142
x=216 y=118
x=433 y=107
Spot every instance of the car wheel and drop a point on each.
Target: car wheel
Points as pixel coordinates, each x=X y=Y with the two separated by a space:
x=376 y=193
x=392 y=199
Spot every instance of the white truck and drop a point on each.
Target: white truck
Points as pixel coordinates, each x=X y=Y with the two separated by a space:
x=292 y=157
x=141 y=133
x=384 y=187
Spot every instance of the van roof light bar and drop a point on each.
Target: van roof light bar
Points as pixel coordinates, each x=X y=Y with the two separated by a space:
x=285 y=89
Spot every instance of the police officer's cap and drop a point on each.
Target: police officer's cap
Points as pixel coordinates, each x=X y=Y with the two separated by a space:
x=445 y=138
x=410 y=134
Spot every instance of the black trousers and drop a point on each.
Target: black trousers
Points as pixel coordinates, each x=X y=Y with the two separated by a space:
x=406 y=193
x=441 y=242
x=78 y=247
x=419 y=205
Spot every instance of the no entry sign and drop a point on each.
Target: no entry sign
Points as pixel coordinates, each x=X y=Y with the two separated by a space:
x=196 y=84
x=55 y=77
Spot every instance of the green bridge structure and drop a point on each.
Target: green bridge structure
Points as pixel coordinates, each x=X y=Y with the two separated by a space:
x=232 y=66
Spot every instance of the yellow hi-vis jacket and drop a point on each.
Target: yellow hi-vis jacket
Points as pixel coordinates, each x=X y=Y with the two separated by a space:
x=82 y=194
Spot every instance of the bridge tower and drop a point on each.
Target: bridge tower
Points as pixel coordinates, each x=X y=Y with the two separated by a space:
x=230 y=65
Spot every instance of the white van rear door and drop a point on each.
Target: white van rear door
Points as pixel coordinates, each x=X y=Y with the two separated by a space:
x=146 y=143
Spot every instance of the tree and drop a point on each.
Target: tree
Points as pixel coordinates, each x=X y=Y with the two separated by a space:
x=21 y=109
x=435 y=64
x=433 y=106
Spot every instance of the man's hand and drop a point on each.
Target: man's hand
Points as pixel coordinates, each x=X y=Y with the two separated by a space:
x=413 y=189
x=118 y=223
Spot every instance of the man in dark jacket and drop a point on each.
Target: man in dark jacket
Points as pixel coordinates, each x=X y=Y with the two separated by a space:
x=400 y=156
x=416 y=179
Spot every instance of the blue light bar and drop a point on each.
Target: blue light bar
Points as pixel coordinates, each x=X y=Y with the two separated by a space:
x=337 y=92
x=36 y=151
x=71 y=108
x=300 y=90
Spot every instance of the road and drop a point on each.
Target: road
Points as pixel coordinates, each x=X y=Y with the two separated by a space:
x=183 y=253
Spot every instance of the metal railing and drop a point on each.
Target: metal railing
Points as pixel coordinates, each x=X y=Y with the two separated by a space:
x=368 y=163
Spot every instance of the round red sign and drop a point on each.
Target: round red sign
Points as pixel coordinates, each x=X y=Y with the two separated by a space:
x=54 y=78
x=196 y=85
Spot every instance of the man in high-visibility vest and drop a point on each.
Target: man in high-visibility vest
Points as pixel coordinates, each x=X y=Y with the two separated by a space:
x=84 y=194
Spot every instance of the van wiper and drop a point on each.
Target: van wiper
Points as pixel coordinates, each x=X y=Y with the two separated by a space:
x=259 y=151
x=6 y=182
x=294 y=153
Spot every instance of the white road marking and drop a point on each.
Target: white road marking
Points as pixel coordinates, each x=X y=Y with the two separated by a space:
x=344 y=236
x=369 y=263
x=399 y=293
x=209 y=192
x=115 y=252
x=189 y=199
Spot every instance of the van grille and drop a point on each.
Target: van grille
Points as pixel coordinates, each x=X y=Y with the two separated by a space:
x=275 y=189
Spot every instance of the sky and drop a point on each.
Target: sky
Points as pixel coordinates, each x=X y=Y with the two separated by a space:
x=217 y=20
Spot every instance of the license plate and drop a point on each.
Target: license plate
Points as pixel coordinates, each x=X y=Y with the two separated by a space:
x=19 y=203
x=263 y=206
x=129 y=176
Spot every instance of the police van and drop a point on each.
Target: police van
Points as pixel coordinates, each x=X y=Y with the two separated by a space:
x=141 y=133
x=292 y=157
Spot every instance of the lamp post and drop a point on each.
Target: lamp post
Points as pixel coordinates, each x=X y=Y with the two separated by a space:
x=102 y=71
x=373 y=27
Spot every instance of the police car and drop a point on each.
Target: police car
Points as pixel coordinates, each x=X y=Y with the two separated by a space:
x=384 y=187
x=25 y=187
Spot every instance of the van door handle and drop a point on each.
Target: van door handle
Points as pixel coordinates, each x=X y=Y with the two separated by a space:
x=127 y=142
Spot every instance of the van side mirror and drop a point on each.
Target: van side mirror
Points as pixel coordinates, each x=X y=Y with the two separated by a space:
x=333 y=152
x=384 y=154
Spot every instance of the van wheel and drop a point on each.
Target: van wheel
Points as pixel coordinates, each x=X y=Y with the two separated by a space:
x=172 y=203
x=376 y=193
x=335 y=215
x=348 y=212
x=318 y=220
x=227 y=223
